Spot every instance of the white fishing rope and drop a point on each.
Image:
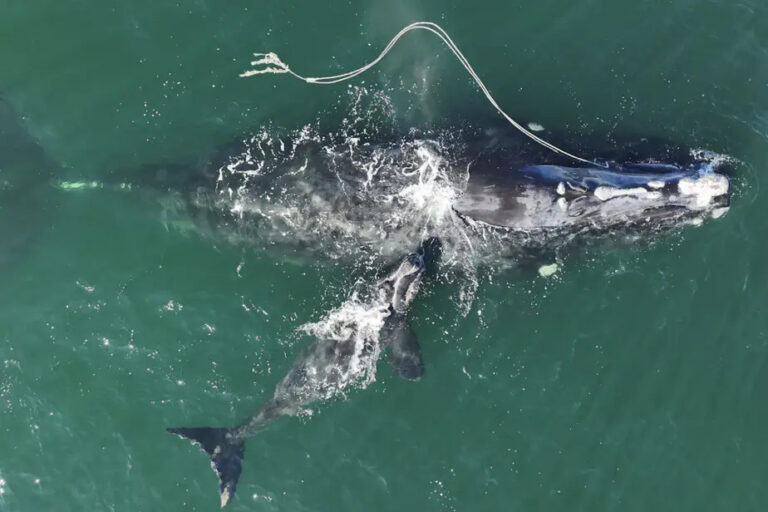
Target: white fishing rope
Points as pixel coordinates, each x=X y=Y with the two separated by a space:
x=273 y=64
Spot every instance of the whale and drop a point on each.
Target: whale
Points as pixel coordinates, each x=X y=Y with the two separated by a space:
x=546 y=201
x=329 y=197
x=318 y=372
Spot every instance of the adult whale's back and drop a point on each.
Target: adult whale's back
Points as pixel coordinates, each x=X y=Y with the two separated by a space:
x=329 y=194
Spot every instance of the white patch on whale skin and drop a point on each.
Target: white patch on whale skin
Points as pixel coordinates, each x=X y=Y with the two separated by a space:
x=606 y=193
x=704 y=189
x=719 y=212
x=79 y=185
x=561 y=189
x=225 y=497
x=535 y=127
x=655 y=184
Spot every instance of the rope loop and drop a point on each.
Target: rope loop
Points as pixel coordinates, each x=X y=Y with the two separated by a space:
x=267 y=63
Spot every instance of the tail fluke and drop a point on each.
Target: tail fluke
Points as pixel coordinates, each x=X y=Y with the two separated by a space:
x=226 y=454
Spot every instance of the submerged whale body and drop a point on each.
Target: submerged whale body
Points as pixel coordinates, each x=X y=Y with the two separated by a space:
x=26 y=207
x=323 y=370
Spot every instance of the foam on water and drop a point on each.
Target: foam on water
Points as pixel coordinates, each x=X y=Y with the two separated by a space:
x=361 y=194
x=366 y=196
x=357 y=323
x=341 y=196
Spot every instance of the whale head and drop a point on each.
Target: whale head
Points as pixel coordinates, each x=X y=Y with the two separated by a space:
x=403 y=284
x=547 y=199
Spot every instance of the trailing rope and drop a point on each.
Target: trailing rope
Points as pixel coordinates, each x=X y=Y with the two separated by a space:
x=270 y=63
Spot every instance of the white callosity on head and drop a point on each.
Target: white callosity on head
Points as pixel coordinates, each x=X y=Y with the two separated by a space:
x=606 y=193
x=703 y=189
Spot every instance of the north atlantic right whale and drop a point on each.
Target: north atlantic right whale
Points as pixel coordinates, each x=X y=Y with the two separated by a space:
x=334 y=197
x=322 y=370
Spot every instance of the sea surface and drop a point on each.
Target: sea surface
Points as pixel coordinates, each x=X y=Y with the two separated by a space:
x=634 y=379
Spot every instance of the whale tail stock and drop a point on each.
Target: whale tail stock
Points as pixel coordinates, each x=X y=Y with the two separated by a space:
x=226 y=452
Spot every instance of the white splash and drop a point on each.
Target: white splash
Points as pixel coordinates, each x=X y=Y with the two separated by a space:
x=353 y=328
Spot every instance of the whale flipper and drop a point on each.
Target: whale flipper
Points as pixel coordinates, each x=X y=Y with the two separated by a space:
x=405 y=355
x=226 y=452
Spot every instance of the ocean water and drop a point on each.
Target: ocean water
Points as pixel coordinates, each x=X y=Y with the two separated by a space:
x=633 y=379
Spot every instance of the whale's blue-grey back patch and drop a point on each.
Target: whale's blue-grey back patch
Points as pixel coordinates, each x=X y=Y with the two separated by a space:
x=625 y=176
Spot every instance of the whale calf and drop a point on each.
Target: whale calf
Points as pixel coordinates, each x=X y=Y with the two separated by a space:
x=319 y=372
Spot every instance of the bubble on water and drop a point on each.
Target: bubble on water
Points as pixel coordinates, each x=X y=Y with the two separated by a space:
x=172 y=306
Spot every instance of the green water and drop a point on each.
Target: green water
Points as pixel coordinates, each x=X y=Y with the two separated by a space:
x=633 y=381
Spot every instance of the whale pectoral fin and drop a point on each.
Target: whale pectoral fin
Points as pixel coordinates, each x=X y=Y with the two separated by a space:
x=405 y=355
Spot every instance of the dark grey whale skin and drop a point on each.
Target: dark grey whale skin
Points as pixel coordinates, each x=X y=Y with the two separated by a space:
x=27 y=203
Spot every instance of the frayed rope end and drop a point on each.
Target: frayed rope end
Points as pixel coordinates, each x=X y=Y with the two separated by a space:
x=272 y=64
